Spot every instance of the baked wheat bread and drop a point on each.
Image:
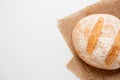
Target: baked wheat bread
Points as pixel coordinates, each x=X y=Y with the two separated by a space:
x=96 y=40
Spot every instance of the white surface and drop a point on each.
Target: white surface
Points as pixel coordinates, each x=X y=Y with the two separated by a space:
x=31 y=47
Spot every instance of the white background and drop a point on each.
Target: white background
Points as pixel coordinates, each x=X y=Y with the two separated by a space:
x=31 y=46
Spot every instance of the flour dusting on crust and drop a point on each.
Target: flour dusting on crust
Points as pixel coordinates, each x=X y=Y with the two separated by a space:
x=106 y=39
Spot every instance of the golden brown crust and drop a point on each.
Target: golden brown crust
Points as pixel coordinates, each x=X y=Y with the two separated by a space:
x=93 y=39
x=114 y=51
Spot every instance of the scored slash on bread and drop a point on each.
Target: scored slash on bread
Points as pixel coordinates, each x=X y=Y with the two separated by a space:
x=114 y=51
x=93 y=39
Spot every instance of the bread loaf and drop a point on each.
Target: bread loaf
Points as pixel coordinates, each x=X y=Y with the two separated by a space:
x=96 y=40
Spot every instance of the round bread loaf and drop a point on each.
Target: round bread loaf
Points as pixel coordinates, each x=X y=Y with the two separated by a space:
x=96 y=40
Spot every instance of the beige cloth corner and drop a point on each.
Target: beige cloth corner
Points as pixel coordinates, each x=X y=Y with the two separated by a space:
x=66 y=26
